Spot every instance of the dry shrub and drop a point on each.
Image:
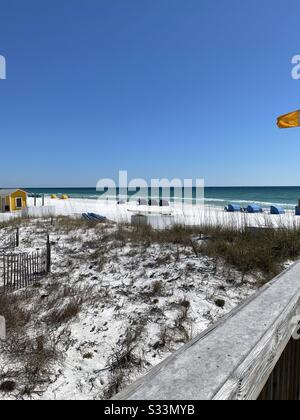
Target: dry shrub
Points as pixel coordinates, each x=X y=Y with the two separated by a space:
x=262 y=251
x=14 y=223
x=146 y=235
x=156 y=289
x=7 y=386
x=117 y=381
x=36 y=357
x=68 y=224
x=123 y=360
x=99 y=257
x=66 y=312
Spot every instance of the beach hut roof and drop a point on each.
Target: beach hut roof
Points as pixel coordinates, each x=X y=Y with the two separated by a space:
x=9 y=191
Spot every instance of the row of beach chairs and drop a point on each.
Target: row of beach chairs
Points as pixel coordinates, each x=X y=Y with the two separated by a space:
x=253 y=209
x=151 y=202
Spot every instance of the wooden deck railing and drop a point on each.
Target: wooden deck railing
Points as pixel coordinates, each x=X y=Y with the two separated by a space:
x=248 y=355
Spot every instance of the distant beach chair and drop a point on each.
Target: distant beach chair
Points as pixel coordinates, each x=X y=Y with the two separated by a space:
x=86 y=217
x=121 y=202
x=233 y=208
x=277 y=210
x=254 y=208
x=92 y=217
x=142 y=202
x=164 y=203
x=97 y=217
x=153 y=202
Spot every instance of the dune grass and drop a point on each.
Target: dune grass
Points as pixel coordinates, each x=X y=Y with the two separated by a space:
x=248 y=250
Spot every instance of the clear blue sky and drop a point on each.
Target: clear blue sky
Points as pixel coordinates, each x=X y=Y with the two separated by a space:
x=162 y=88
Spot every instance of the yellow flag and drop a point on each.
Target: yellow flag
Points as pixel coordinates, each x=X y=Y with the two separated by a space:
x=289 y=120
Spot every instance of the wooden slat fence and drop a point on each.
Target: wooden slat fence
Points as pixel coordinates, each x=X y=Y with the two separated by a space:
x=11 y=242
x=18 y=270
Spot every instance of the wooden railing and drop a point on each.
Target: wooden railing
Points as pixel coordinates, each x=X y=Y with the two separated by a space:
x=284 y=382
x=248 y=355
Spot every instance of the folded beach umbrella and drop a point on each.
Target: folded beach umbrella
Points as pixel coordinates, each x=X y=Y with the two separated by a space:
x=289 y=120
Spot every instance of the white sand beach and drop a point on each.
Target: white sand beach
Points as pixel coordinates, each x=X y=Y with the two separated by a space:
x=160 y=217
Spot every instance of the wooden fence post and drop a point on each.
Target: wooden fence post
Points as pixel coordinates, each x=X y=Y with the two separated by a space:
x=21 y=269
x=4 y=271
x=48 y=267
x=17 y=237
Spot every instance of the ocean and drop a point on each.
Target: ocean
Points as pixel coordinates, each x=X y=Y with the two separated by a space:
x=287 y=197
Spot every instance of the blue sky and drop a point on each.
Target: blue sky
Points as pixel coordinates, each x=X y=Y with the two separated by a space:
x=162 y=88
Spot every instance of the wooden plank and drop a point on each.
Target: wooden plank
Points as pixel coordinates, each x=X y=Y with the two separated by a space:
x=11 y=271
x=27 y=269
x=234 y=359
x=284 y=381
x=4 y=272
x=297 y=370
x=48 y=252
x=30 y=268
x=17 y=272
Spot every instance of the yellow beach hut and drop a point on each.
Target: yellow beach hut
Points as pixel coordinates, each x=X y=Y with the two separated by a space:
x=12 y=200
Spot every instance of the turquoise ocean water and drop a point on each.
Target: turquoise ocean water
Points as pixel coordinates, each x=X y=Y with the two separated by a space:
x=215 y=196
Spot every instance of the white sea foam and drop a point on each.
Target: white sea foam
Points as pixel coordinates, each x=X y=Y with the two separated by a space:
x=261 y=203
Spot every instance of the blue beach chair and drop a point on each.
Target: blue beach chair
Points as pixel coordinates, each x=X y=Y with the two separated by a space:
x=277 y=210
x=92 y=217
x=233 y=208
x=97 y=217
x=254 y=208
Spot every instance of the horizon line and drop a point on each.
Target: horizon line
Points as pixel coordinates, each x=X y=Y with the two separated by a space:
x=206 y=186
